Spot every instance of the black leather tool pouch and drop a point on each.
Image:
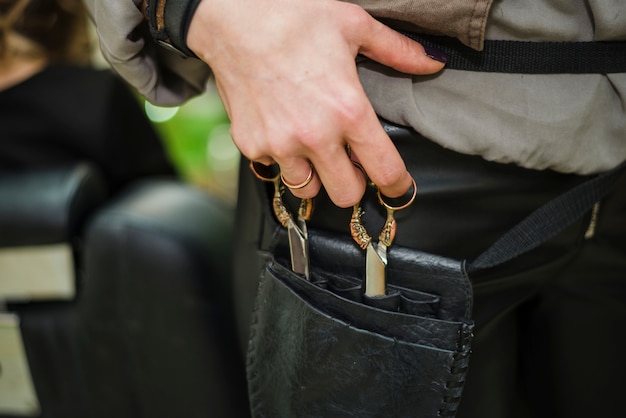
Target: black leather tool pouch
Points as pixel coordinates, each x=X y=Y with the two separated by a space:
x=320 y=348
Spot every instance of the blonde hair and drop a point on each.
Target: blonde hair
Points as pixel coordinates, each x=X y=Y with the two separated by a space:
x=52 y=29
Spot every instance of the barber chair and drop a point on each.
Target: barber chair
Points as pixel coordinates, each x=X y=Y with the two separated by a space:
x=115 y=305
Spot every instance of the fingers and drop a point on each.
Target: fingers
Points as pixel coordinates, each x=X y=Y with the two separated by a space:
x=389 y=47
x=300 y=177
x=333 y=168
x=376 y=153
x=301 y=185
x=343 y=181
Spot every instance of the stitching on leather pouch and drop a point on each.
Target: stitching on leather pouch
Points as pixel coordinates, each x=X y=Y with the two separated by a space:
x=450 y=403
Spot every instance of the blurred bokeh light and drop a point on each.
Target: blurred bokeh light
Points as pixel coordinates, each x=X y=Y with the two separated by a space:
x=197 y=137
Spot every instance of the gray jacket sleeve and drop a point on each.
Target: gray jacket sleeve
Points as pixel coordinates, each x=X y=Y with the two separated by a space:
x=161 y=76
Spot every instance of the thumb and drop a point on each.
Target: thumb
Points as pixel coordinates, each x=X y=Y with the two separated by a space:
x=391 y=48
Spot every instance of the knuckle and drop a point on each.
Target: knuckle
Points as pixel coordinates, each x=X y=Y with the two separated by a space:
x=348 y=197
x=387 y=177
x=306 y=193
x=346 y=200
x=350 y=109
x=251 y=152
x=281 y=149
x=307 y=135
x=356 y=16
x=246 y=146
x=300 y=137
x=236 y=131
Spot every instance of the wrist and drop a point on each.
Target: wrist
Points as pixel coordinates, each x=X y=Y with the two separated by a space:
x=169 y=23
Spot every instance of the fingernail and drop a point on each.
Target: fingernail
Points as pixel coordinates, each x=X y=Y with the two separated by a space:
x=435 y=54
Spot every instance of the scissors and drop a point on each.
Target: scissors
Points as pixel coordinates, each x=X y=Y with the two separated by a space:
x=296 y=229
x=376 y=253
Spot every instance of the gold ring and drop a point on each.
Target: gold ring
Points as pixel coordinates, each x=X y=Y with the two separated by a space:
x=381 y=198
x=300 y=185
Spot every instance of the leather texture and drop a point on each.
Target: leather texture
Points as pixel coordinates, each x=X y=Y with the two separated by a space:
x=47 y=205
x=313 y=353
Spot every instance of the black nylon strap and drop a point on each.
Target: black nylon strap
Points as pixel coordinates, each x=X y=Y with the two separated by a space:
x=523 y=57
x=547 y=221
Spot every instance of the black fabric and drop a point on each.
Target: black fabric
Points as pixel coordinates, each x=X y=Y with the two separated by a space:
x=524 y=57
x=67 y=114
x=548 y=337
x=178 y=14
x=547 y=221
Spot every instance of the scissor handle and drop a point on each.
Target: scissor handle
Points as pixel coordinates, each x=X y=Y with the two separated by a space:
x=265 y=172
x=399 y=203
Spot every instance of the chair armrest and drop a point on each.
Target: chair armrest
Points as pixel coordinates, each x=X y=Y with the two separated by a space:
x=47 y=205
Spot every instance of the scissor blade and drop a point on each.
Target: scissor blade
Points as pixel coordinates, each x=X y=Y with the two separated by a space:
x=374 y=272
x=298 y=248
x=381 y=250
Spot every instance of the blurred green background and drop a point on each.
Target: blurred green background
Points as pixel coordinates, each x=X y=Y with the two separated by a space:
x=197 y=138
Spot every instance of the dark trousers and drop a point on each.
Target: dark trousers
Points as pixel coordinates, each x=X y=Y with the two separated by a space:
x=548 y=336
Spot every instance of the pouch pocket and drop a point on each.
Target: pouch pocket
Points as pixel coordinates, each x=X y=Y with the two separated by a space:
x=397 y=299
x=316 y=353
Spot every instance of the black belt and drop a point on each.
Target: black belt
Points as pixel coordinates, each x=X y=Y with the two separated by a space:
x=523 y=57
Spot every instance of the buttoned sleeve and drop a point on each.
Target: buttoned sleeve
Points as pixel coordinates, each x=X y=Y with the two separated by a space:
x=465 y=20
x=161 y=76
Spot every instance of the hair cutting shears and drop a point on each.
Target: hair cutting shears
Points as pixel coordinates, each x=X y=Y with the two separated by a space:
x=376 y=253
x=296 y=228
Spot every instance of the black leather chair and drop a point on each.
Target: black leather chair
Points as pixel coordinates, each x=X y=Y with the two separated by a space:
x=121 y=304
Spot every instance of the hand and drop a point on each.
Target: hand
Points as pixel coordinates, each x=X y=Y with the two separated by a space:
x=286 y=72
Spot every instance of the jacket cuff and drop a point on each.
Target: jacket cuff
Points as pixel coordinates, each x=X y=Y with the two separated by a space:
x=169 y=23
